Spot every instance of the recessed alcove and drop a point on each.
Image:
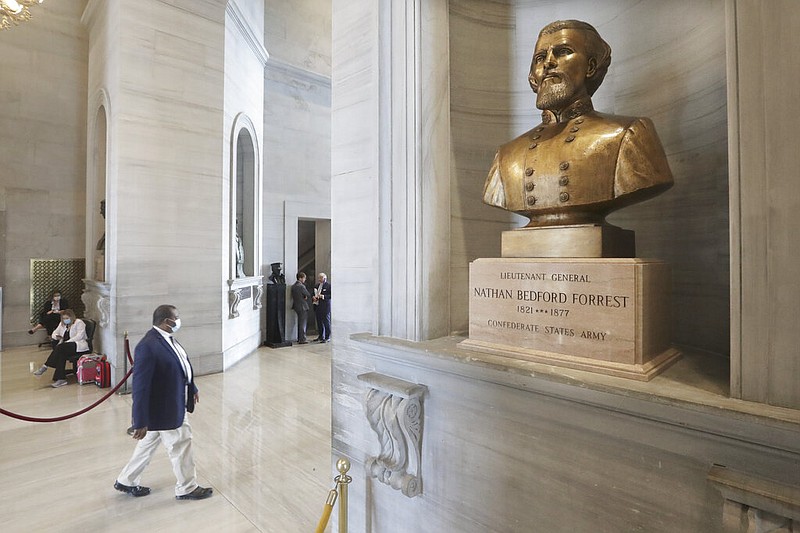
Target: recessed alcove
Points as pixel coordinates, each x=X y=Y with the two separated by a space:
x=668 y=64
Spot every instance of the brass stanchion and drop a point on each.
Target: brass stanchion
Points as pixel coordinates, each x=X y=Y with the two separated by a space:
x=340 y=490
x=342 y=480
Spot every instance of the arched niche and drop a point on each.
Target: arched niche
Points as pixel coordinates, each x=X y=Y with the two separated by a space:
x=97 y=231
x=245 y=179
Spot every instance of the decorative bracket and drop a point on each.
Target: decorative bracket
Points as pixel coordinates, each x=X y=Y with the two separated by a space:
x=234 y=297
x=394 y=411
x=96 y=300
x=242 y=288
x=257 y=295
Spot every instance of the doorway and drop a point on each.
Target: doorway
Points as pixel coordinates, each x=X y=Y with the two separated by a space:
x=313 y=256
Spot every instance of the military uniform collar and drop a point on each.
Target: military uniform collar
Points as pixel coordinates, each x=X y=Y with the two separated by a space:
x=574 y=110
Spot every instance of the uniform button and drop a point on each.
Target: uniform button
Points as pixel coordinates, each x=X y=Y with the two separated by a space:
x=574 y=129
x=529 y=171
x=531 y=200
x=537 y=136
x=563 y=181
x=564 y=165
x=532 y=146
x=579 y=121
x=540 y=128
x=569 y=139
x=529 y=186
x=564 y=196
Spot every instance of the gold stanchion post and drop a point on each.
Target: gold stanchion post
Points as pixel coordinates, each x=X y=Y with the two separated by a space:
x=342 y=480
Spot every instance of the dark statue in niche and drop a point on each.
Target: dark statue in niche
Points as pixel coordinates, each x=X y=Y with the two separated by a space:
x=100 y=249
x=101 y=244
x=577 y=165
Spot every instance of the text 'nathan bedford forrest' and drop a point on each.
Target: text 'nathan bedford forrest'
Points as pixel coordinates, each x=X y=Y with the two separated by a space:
x=577 y=298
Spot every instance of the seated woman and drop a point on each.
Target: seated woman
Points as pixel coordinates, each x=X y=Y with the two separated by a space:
x=50 y=317
x=71 y=337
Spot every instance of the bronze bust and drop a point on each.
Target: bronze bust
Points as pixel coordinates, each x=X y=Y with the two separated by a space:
x=578 y=165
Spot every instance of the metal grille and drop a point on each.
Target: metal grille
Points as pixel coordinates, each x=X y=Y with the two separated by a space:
x=48 y=275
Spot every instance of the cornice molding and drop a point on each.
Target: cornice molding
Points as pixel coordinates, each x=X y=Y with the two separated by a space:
x=233 y=11
x=295 y=72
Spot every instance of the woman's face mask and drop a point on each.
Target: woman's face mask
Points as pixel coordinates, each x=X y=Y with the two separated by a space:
x=67 y=321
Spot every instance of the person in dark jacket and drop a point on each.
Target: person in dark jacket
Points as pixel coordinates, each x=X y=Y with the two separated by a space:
x=50 y=317
x=300 y=298
x=163 y=391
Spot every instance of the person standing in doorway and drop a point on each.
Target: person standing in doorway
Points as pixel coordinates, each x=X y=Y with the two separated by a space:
x=163 y=391
x=322 y=307
x=300 y=297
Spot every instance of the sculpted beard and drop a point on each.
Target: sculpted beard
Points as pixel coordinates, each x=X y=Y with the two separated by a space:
x=555 y=94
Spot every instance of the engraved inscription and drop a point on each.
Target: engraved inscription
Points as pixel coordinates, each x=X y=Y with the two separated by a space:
x=561 y=307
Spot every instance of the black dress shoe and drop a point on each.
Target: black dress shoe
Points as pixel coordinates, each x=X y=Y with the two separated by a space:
x=302 y=342
x=318 y=339
x=200 y=493
x=133 y=491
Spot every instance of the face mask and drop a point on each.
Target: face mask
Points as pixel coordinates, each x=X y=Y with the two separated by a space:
x=68 y=321
x=177 y=325
x=56 y=298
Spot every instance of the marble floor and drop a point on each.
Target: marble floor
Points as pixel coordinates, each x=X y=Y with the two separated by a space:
x=261 y=440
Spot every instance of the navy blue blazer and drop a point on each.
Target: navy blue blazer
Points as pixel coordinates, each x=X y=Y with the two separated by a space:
x=159 y=385
x=324 y=305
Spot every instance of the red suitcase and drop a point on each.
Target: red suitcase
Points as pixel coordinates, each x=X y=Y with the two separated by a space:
x=103 y=373
x=86 y=370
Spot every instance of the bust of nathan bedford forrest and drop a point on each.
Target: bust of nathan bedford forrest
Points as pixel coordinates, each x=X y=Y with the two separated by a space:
x=578 y=165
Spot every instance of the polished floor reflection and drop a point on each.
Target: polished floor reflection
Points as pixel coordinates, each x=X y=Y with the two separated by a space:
x=261 y=439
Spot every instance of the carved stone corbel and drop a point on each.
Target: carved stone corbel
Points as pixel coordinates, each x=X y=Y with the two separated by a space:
x=234 y=297
x=394 y=410
x=96 y=300
x=259 y=292
x=104 y=311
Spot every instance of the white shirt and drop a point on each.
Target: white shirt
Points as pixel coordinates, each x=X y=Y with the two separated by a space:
x=179 y=351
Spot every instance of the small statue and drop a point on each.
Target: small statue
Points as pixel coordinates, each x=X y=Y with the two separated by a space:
x=101 y=244
x=239 y=257
x=277 y=277
x=578 y=165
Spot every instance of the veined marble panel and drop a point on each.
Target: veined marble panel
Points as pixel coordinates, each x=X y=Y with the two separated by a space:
x=528 y=447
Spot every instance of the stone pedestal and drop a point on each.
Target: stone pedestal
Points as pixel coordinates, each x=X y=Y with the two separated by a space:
x=603 y=315
x=583 y=240
x=276 y=316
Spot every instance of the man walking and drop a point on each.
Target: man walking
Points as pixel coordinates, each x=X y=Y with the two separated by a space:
x=322 y=307
x=163 y=391
x=300 y=297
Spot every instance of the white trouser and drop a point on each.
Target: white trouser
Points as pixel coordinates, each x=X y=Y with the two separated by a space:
x=179 y=448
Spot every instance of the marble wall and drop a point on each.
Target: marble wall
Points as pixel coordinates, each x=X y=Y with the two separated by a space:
x=522 y=448
x=245 y=58
x=354 y=165
x=163 y=73
x=42 y=146
x=650 y=75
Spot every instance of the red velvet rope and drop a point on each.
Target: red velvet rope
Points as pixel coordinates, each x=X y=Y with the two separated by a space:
x=85 y=409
